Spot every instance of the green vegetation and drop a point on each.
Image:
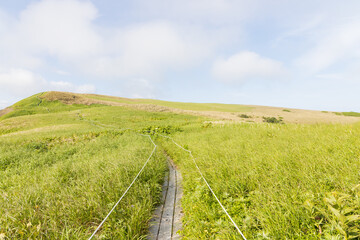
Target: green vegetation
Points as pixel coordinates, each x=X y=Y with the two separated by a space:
x=286 y=110
x=62 y=171
x=277 y=181
x=272 y=120
x=36 y=105
x=244 y=116
x=351 y=114
x=63 y=186
x=63 y=167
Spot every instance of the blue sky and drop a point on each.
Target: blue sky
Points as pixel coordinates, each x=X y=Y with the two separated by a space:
x=301 y=54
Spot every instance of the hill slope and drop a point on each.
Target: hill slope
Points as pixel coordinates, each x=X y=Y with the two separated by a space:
x=63 y=101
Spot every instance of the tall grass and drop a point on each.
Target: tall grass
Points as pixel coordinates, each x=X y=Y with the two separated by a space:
x=62 y=171
x=277 y=181
x=62 y=187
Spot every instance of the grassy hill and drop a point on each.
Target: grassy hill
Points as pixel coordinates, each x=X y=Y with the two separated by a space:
x=66 y=158
x=63 y=101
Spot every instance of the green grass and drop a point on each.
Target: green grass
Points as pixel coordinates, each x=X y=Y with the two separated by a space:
x=35 y=105
x=62 y=171
x=63 y=167
x=351 y=114
x=62 y=187
x=277 y=181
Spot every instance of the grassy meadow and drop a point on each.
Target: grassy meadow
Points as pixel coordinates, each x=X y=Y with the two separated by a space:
x=62 y=171
x=277 y=181
x=62 y=187
x=63 y=167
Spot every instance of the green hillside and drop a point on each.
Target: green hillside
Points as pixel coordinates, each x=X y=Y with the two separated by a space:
x=65 y=159
x=184 y=106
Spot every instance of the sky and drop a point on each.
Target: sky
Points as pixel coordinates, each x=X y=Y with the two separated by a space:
x=296 y=54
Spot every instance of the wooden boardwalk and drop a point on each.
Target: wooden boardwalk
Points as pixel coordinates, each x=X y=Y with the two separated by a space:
x=167 y=217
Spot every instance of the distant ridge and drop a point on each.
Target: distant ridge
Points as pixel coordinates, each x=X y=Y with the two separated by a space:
x=54 y=101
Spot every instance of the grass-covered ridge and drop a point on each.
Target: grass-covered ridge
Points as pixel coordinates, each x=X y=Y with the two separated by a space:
x=36 y=104
x=178 y=105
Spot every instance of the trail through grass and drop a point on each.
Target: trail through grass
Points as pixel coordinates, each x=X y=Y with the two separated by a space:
x=63 y=167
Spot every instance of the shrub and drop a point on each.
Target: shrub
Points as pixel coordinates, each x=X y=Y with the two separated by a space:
x=351 y=114
x=207 y=125
x=244 y=116
x=273 y=120
x=162 y=130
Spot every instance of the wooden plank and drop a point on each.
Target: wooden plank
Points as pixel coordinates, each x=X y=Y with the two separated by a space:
x=168 y=212
x=166 y=221
x=178 y=213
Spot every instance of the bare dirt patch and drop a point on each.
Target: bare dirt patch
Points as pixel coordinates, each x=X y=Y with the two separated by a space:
x=300 y=116
x=257 y=113
x=68 y=98
x=112 y=97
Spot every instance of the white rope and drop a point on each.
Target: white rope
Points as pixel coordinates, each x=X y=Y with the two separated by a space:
x=206 y=182
x=126 y=189
x=217 y=199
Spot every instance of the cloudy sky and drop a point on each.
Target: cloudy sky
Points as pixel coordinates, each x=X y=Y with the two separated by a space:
x=301 y=54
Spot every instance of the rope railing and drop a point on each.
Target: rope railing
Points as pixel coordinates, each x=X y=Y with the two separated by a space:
x=97 y=229
x=196 y=165
x=208 y=185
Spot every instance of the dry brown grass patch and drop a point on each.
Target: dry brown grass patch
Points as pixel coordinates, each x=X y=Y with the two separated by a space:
x=68 y=98
x=5 y=111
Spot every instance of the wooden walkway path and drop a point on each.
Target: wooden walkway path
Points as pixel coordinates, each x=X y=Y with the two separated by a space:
x=167 y=217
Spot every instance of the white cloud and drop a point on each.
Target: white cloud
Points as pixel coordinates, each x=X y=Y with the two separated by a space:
x=246 y=66
x=65 y=31
x=85 y=88
x=63 y=73
x=21 y=82
x=4 y=104
x=148 y=50
x=140 y=88
x=217 y=12
x=49 y=29
x=340 y=43
x=61 y=28
x=68 y=87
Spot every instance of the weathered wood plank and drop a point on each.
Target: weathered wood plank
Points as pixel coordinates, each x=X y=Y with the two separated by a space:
x=166 y=221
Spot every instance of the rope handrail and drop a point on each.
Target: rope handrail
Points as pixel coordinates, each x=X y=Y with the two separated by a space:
x=97 y=229
x=217 y=199
x=194 y=160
